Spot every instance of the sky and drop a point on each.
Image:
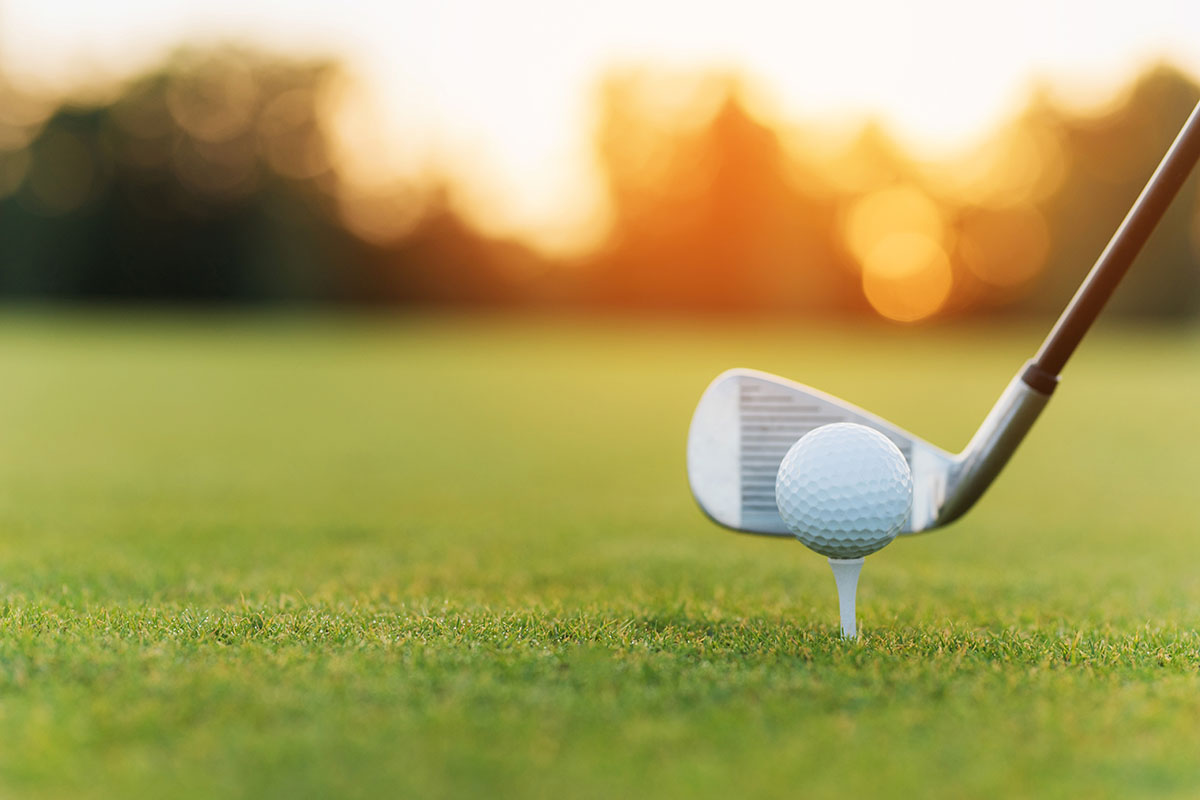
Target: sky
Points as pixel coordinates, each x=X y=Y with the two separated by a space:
x=500 y=94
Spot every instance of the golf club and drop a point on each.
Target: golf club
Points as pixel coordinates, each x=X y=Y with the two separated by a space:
x=747 y=420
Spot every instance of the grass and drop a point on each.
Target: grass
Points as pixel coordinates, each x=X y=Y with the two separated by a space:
x=454 y=557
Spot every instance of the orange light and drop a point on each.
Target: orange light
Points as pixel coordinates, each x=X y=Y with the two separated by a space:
x=900 y=209
x=907 y=277
x=1024 y=163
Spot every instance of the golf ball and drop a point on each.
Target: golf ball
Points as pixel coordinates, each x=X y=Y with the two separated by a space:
x=844 y=490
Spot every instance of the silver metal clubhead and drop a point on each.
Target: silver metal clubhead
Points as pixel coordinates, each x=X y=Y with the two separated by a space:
x=747 y=420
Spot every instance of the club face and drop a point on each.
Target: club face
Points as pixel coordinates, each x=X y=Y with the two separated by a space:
x=744 y=425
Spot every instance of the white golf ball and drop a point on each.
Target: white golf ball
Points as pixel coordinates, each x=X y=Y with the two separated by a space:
x=844 y=490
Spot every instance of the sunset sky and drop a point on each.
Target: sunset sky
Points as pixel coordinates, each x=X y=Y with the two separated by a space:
x=500 y=94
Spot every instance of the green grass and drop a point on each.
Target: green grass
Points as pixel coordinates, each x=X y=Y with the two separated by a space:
x=314 y=558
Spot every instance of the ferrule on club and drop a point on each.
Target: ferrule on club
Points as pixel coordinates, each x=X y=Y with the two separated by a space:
x=992 y=446
x=845 y=573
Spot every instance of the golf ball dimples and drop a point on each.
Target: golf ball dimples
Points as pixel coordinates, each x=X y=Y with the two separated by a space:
x=844 y=490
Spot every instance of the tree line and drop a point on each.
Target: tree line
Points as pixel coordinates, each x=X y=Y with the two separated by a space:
x=211 y=180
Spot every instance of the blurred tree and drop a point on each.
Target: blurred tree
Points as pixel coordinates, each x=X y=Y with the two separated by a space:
x=212 y=179
x=202 y=181
x=711 y=210
x=710 y=215
x=1108 y=158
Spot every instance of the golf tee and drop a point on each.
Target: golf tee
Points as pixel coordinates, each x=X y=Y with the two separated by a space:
x=845 y=573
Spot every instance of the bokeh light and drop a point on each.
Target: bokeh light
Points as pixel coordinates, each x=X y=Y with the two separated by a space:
x=898 y=236
x=287 y=134
x=899 y=209
x=381 y=215
x=906 y=276
x=213 y=101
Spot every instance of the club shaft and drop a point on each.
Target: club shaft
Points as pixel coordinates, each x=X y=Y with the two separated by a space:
x=1124 y=246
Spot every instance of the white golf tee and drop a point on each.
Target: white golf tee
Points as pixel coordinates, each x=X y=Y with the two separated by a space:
x=845 y=573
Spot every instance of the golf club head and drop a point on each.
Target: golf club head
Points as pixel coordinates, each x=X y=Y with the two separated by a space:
x=744 y=425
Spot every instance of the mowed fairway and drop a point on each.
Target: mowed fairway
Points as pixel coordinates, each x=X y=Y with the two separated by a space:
x=452 y=557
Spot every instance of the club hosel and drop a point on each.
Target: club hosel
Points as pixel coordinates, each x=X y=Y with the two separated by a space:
x=994 y=443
